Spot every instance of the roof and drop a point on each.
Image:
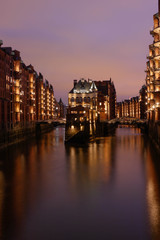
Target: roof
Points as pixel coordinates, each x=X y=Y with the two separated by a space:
x=84 y=86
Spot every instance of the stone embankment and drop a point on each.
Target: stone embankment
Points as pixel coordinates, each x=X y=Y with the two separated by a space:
x=154 y=133
x=21 y=133
x=84 y=132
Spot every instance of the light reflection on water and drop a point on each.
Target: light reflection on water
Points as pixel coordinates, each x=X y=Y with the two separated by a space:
x=108 y=189
x=153 y=192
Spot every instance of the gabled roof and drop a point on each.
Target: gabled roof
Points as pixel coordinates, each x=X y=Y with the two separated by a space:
x=84 y=86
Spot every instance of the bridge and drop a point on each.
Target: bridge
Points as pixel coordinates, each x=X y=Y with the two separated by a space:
x=83 y=131
x=47 y=125
x=129 y=121
x=53 y=121
x=121 y=121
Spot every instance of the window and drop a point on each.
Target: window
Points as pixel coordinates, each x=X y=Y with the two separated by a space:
x=94 y=101
x=77 y=99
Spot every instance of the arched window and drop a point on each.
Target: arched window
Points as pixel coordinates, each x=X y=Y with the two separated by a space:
x=72 y=99
x=94 y=101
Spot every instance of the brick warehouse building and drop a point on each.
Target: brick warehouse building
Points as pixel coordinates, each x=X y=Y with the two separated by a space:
x=84 y=94
x=129 y=108
x=96 y=98
x=134 y=107
x=153 y=72
x=6 y=78
x=24 y=96
x=106 y=99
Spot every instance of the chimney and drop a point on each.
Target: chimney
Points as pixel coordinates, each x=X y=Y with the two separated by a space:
x=75 y=82
x=1 y=43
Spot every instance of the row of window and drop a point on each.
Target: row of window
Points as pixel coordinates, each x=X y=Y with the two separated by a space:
x=80 y=99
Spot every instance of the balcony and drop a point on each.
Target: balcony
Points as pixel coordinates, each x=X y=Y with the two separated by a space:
x=157 y=43
x=17 y=87
x=152 y=102
x=155 y=30
x=151 y=46
x=16 y=93
x=152 y=78
x=148 y=82
x=157 y=82
x=152 y=90
x=157 y=57
x=157 y=91
x=17 y=101
x=149 y=57
x=156 y=15
x=157 y=70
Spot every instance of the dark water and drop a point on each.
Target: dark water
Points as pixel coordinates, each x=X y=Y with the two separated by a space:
x=109 y=189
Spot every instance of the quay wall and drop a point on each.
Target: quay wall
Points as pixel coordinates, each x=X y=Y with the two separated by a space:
x=77 y=132
x=154 y=133
x=21 y=133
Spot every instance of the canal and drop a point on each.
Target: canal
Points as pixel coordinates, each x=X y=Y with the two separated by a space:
x=109 y=189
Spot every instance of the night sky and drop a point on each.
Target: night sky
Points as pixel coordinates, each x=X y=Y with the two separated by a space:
x=70 y=39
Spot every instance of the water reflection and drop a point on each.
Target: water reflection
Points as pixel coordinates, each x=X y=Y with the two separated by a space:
x=2 y=183
x=153 y=191
x=92 y=164
x=22 y=169
x=98 y=191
